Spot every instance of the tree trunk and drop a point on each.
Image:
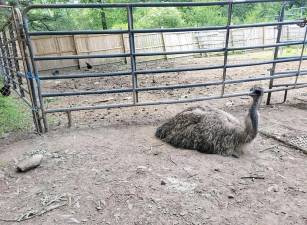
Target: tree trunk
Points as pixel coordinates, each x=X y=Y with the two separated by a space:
x=103 y=19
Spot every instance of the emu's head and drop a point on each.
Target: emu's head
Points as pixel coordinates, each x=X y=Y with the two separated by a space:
x=256 y=92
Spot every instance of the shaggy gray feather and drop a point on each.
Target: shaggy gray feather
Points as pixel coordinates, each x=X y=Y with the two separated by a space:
x=211 y=130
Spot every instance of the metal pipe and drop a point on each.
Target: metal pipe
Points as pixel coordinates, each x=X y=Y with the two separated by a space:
x=229 y=13
x=132 y=52
x=38 y=87
x=143 y=89
x=45 y=33
x=86 y=75
x=41 y=58
x=124 y=5
x=279 y=32
x=27 y=67
x=122 y=90
x=66 y=57
x=218 y=49
x=165 y=102
x=219 y=66
x=301 y=58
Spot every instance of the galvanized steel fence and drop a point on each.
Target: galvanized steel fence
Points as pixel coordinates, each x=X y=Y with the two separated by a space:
x=20 y=61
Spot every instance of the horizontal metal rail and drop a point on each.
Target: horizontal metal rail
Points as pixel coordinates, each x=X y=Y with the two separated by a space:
x=40 y=58
x=185 y=69
x=85 y=75
x=144 y=72
x=112 y=91
x=124 y=5
x=166 y=102
x=164 y=30
x=170 y=87
x=288 y=84
x=67 y=57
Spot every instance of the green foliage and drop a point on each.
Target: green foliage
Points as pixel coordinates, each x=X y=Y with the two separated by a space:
x=201 y=16
x=158 y=17
x=116 y=18
x=263 y=13
x=14 y=116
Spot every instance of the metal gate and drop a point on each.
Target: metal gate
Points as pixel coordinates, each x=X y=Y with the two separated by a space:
x=16 y=64
x=27 y=81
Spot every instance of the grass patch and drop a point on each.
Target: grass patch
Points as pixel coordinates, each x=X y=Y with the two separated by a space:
x=14 y=115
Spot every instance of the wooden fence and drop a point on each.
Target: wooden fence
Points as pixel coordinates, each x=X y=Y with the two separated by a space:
x=152 y=42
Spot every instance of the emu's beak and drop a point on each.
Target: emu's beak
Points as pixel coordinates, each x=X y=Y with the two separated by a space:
x=252 y=92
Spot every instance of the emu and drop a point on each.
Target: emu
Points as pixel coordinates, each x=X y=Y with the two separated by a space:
x=88 y=66
x=55 y=73
x=211 y=130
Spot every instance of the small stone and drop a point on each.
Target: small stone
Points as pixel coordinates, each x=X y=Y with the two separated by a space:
x=231 y=196
x=273 y=188
x=217 y=170
x=163 y=182
x=68 y=219
x=130 y=206
x=141 y=169
x=73 y=221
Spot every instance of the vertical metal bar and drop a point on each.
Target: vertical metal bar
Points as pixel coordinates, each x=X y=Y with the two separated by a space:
x=279 y=31
x=301 y=58
x=28 y=69
x=132 y=53
x=230 y=6
x=36 y=76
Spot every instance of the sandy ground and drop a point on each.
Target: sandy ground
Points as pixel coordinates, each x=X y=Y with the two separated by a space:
x=121 y=174
x=110 y=169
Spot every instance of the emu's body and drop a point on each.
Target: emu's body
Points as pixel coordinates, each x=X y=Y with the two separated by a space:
x=211 y=130
x=88 y=66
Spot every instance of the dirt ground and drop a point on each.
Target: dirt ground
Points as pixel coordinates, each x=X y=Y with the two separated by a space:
x=121 y=174
x=110 y=169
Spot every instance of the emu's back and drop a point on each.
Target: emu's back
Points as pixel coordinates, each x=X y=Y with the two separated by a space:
x=204 y=129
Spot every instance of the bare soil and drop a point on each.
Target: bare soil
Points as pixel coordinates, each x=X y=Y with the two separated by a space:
x=110 y=169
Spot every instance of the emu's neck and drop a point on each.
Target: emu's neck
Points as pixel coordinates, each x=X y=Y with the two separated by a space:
x=251 y=121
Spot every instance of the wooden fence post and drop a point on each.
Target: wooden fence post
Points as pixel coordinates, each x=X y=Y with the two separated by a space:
x=263 y=36
x=76 y=47
x=163 y=44
x=123 y=46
